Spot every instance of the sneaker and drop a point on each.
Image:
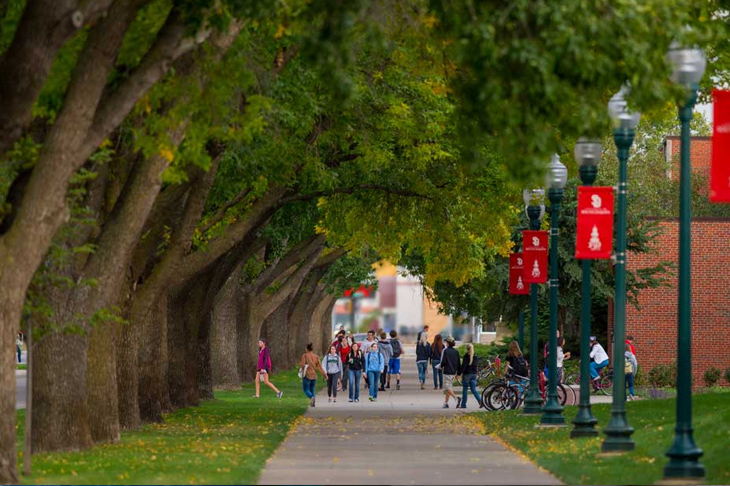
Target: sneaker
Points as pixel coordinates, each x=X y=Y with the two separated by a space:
x=371 y=399
x=435 y=388
x=279 y=395
x=329 y=400
x=255 y=396
x=357 y=400
x=458 y=402
x=351 y=400
x=381 y=389
x=421 y=386
x=397 y=387
x=387 y=386
x=311 y=402
x=314 y=401
x=446 y=405
x=334 y=400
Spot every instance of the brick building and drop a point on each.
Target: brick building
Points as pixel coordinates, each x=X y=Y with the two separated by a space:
x=654 y=324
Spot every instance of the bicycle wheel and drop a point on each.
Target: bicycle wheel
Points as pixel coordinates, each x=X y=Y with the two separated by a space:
x=498 y=397
x=572 y=379
x=606 y=385
x=485 y=396
x=562 y=394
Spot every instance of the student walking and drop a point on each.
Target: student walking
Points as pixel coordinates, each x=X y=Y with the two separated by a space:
x=561 y=357
x=630 y=367
x=309 y=366
x=343 y=348
x=19 y=346
x=450 y=367
x=365 y=347
x=599 y=360
x=423 y=353
x=333 y=367
x=438 y=374
x=263 y=368
x=394 y=362
x=374 y=366
x=387 y=351
x=356 y=367
x=468 y=371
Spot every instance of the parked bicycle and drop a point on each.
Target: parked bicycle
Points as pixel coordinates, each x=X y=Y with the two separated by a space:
x=605 y=381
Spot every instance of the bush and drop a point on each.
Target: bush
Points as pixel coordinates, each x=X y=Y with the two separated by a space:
x=663 y=376
x=727 y=376
x=712 y=376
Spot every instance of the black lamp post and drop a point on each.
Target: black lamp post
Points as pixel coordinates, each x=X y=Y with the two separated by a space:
x=688 y=67
x=557 y=177
x=618 y=432
x=535 y=211
x=588 y=155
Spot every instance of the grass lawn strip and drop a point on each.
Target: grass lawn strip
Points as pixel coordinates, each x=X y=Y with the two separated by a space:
x=224 y=441
x=576 y=461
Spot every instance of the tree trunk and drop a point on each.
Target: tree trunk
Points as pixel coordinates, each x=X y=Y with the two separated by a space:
x=224 y=362
x=276 y=332
x=60 y=413
x=150 y=386
x=12 y=297
x=176 y=350
x=101 y=384
x=127 y=377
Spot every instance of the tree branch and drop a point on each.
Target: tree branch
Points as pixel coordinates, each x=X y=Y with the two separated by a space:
x=220 y=214
x=352 y=190
x=292 y=258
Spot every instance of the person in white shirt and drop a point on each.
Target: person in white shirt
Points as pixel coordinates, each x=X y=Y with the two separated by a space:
x=561 y=357
x=599 y=360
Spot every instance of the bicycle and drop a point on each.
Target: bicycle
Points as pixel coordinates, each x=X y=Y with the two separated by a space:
x=605 y=380
x=510 y=392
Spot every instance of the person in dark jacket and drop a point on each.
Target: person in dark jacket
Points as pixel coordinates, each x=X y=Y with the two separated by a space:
x=468 y=372
x=450 y=366
x=437 y=348
x=423 y=353
x=355 y=365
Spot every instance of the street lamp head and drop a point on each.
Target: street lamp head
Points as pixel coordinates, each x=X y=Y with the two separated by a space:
x=688 y=64
x=618 y=110
x=557 y=174
x=530 y=195
x=587 y=152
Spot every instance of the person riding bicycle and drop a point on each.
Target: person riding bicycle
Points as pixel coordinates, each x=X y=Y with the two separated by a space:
x=599 y=360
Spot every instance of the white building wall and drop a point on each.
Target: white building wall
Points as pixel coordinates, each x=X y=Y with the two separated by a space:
x=409 y=299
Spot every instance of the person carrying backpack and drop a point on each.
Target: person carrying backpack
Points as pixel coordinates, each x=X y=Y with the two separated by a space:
x=394 y=362
x=516 y=360
x=630 y=367
x=387 y=351
x=423 y=353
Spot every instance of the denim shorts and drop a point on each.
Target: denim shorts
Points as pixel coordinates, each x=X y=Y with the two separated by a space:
x=394 y=366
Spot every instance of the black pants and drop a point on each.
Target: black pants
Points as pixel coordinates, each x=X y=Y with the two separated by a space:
x=383 y=377
x=332 y=379
x=345 y=375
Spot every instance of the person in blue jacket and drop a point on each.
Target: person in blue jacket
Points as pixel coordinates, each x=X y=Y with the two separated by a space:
x=374 y=365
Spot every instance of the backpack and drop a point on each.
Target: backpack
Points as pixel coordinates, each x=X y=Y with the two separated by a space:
x=628 y=367
x=397 y=348
x=519 y=366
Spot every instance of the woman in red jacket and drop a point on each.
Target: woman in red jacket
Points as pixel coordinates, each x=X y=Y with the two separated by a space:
x=263 y=369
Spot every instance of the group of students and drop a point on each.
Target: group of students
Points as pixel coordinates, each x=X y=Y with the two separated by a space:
x=347 y=362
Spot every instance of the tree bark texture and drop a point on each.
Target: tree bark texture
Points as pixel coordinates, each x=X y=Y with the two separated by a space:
x=101 y=384
x=276 y=332
x=224 y=363
x=60 y=413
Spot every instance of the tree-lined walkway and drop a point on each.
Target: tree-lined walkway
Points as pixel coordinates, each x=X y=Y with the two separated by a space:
x=403 y=438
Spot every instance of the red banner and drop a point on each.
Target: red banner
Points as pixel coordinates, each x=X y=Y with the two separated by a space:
x=517 y=285
x=594 y=234
x=535 y=256
x=720 y=172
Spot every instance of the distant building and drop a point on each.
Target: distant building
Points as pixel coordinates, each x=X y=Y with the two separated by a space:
x=398 y=303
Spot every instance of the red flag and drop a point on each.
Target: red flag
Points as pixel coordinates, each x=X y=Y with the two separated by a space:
x=535 y=256
x=517 y=285
x=720 y=172
x=594 y=234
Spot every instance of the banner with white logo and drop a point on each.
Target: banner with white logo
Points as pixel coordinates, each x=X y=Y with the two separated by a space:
x=517 y=284
x=720 y=172
x=594 y=233
x=535 y=256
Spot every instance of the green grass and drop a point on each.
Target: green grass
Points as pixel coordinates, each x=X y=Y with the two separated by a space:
x=22 y=367
x=575 y=461
x=224 y=441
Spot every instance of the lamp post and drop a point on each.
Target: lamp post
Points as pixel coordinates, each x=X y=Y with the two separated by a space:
x=557 y=177
x=535 y=212
x=688 y=67
x=618 y=432
x=588 y=155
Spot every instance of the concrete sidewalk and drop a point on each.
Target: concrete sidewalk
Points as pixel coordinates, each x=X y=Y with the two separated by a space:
x=403 y=438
